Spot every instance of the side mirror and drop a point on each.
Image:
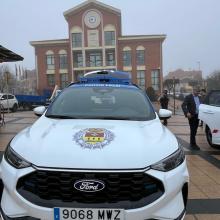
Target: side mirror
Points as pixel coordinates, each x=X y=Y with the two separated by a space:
x=39 y=111
x=164 y=114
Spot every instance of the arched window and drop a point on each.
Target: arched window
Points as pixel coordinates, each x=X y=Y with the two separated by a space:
x=50 y=60
x=76 y=33
x=126 y=56
x=140 y=56
x=62 y=52
x=63 y=63
x=109 y=31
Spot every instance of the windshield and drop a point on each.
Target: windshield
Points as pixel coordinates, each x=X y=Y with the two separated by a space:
x=214 y=98
x=102 y=103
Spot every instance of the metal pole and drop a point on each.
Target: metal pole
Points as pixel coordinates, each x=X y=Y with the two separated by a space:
x=174 y=97
x=7 y=90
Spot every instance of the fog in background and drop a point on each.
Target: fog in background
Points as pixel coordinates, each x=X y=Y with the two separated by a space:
x=192 y=27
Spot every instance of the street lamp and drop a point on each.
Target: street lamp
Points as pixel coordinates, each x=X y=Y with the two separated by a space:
x=198 y=64
x=6 y=80
x=174 y=96
x=205 y=84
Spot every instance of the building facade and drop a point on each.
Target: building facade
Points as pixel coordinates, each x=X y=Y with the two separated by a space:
x=187 y=80
x=95 y=42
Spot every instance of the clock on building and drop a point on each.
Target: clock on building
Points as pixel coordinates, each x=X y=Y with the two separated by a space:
x=92 y=19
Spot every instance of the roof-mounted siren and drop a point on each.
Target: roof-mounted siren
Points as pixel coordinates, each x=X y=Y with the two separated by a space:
x=107 y=76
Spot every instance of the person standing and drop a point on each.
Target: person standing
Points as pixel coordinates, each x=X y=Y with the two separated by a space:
x=203 y=95
x=190 y=107
x=202 y=98
x=164 y=101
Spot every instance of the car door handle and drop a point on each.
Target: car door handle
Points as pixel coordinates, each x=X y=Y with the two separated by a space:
x=208 y=112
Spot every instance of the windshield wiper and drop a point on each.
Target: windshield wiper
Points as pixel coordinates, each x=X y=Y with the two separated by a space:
x=60 y=116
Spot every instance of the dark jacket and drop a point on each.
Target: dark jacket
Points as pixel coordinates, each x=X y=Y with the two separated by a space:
x=189 y=105
x=202 y=99
x=164 y=100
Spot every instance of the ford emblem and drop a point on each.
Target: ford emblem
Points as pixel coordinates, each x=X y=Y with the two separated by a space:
x=89 y=185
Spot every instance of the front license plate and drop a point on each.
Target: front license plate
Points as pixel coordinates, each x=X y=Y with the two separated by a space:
x=88 y=214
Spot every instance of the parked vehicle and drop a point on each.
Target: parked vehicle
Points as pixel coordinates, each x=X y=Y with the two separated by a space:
x=98 y=152
x=31 y=101
x=8 y=101
x=209 y=113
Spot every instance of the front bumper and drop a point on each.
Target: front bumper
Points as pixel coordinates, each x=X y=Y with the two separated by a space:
x=171 y=205
x=216 y=139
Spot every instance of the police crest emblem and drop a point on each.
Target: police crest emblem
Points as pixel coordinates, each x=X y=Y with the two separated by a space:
x=93 y=138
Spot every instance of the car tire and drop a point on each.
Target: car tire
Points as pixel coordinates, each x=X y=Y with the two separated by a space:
x=14 y=108
x=30 y=107
x=209 y=138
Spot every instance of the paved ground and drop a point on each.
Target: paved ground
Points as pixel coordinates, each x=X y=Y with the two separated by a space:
x=204 y=165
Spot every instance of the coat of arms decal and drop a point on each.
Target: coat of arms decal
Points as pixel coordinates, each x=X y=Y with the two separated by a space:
x=93 y=138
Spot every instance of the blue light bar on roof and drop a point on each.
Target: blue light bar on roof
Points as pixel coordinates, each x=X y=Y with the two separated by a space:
x=107 y=76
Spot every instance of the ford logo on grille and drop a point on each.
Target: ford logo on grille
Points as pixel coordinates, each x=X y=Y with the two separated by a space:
x=89 y=185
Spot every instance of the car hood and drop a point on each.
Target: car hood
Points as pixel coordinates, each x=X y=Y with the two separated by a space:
x=69 y=143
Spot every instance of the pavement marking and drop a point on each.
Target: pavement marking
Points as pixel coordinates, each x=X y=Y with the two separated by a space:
x=13 y=120
x=203 y=206
x=214 y=161
x=177 y=125
x=214 y=153
x=185 y=134
x=14 y=133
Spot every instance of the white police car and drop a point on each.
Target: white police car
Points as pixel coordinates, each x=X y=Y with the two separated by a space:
x=99 y=152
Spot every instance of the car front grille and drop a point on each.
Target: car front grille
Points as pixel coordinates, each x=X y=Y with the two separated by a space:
x=56 y=189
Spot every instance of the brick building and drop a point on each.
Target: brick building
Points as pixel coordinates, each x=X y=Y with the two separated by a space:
x=96 y=42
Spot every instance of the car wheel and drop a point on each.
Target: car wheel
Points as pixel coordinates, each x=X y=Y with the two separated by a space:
x=30 y=107
x=209 y=138
x=14 y=108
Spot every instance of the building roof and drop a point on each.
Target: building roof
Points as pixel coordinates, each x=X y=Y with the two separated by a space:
x=93 y=2
x=49 y=42
x=142 y=37
x=8 y=56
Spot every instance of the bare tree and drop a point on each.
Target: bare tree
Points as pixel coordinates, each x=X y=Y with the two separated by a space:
x=169 y=84
x=6 y=78
x=23 y=83
x=213 y=81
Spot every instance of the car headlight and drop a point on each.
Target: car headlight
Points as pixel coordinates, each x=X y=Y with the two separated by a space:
x=14 y=159
x=170 y=162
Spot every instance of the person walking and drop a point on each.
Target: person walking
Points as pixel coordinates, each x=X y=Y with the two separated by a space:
x=164 y=101
x=190 y=107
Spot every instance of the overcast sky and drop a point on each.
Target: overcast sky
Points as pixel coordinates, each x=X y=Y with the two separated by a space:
x=192 y=27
